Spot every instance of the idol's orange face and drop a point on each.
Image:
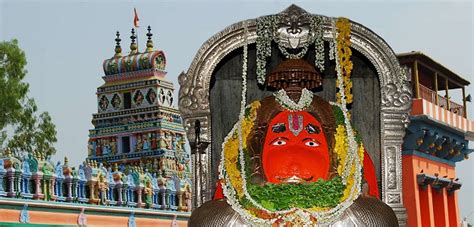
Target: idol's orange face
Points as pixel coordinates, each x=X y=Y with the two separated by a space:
x=295 y=149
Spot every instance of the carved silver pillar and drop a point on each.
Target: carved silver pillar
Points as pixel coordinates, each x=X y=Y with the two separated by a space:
x=396 y=103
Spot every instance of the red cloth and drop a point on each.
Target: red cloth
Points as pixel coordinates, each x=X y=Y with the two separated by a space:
x=219 y=194
x=369 y=176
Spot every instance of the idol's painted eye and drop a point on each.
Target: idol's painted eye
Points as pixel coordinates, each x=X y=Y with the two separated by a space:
x=279 y=142
x=311 y=143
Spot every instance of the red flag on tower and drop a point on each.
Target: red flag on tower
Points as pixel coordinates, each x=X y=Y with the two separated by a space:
x=136 y=19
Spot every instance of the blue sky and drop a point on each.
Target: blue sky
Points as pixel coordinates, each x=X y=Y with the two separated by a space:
x=66 y=42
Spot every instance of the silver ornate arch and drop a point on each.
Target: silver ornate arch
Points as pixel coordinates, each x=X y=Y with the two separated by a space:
x=395 y=102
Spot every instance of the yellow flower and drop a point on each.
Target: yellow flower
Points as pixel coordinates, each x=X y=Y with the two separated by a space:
x=340 y=148
x=344 y=54
x=349 y=184
x=231 y=149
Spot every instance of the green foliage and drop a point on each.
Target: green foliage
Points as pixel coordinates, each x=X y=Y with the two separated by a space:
x=32 y=132
x=338 y=115
x=35 y=134
x=285 y=196
x=12 y=89
x=357 y=136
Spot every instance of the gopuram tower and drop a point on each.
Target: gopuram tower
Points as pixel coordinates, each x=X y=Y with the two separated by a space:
x=137 y=123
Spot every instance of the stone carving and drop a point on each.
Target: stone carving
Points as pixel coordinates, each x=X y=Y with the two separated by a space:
x=391 y=168
x=396 y=97
x=82 y=218
x=293 y=31
x=24 y=216
x=393 y=198
x=131 y=220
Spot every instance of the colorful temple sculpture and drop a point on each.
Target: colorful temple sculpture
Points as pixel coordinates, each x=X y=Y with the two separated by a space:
x=136 y=125
x=137 y=171
x=436 y=139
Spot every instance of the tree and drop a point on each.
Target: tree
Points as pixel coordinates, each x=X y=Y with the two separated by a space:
x=12 y=89
x=31 y=131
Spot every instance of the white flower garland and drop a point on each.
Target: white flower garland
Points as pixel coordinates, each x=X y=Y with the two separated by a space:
x=299 y=55
x=305 y=100
x=353 y=158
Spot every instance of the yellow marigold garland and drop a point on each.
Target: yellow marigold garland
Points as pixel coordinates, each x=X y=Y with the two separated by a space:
x=344 y=54
x=340 y=149
x=231 y=148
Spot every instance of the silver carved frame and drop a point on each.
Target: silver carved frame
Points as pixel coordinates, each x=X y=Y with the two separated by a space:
x=396 y=96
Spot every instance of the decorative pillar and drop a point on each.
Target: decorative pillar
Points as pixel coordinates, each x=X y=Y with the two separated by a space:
x=38 y=191
x=426 y=215
x=53 y=193
x=45 y=189
x=119 y=192
x=448 y=102
x=69 y=191
x=181 y=205
x=163 y=200
x=440 y=205
x=464 y=104
x=156 y=198
x=436 y=88
x=139 y=197
x=417 y=79
x=91 y=192
x=11 y=178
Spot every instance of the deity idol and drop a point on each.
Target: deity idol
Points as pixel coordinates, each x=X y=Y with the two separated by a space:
x=293 y=159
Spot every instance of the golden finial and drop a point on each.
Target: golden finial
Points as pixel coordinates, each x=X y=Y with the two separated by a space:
x=133 y=45
x=149 y=42
x=66 y=161
x=118 y=48
x=115 y=168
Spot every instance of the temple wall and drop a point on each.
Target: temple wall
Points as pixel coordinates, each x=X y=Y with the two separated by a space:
x=67 y=215
x=428 y=206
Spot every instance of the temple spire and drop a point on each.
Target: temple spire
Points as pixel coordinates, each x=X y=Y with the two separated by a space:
x=118 y=48
x=133 y=45
x=149 y=42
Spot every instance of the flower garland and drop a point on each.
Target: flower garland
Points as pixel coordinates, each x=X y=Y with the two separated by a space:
x=266 y=27
x=305 y=100
x=317 y=27
x=344 y=52
x=300 y=54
